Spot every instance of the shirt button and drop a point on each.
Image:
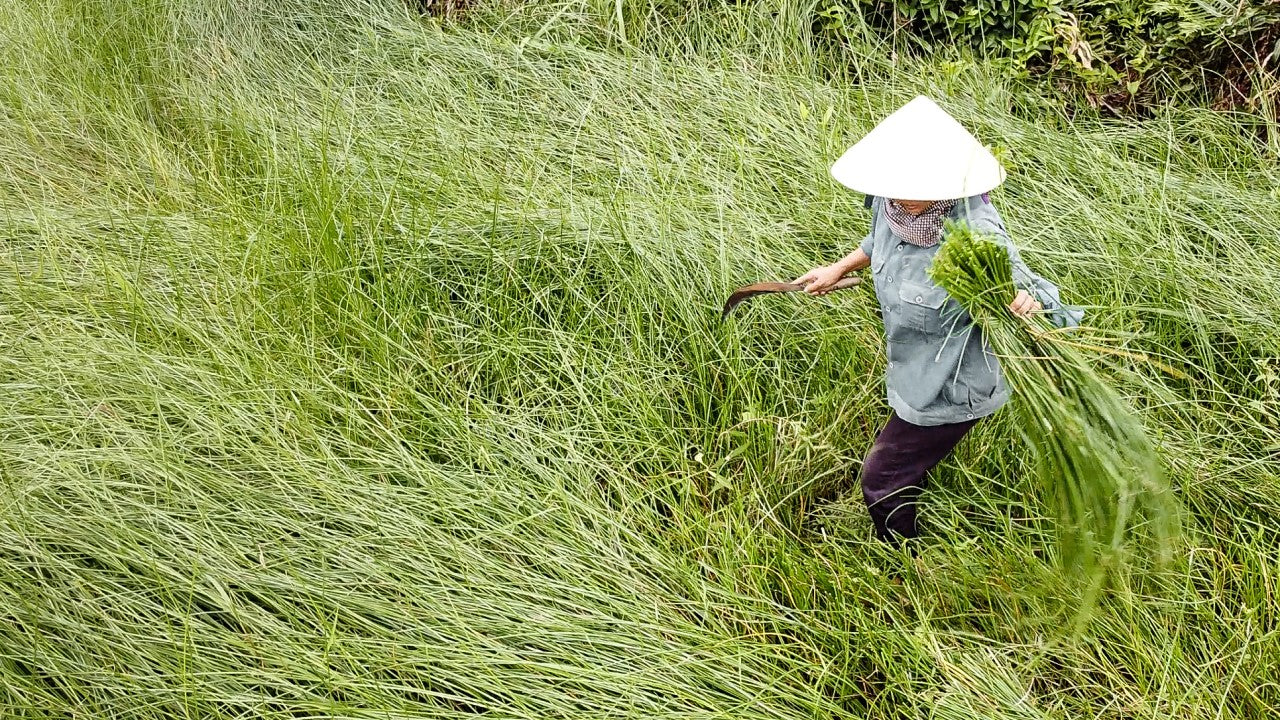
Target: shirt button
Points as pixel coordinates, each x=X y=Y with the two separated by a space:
x=918 y=298
x=899 y=246
x=968 y=416
x=890 y=278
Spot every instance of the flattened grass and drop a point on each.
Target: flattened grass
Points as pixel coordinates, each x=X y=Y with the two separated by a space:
x=356 y=366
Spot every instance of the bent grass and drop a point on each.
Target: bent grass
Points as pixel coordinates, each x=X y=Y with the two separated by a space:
x=360 y=365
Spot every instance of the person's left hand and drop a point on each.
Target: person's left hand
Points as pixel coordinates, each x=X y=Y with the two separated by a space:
x=1024 y=304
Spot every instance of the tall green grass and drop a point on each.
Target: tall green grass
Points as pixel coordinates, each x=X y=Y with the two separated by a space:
x=360 y=366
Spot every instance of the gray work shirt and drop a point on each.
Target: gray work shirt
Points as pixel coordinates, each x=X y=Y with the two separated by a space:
x=941 y=370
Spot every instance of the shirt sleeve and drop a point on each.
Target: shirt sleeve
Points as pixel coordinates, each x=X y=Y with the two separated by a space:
x=869 y=241
x=985 y=218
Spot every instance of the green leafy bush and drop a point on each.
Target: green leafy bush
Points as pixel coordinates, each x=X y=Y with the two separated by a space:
x=1125 y=53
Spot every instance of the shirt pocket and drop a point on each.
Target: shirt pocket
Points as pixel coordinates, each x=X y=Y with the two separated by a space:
x=920 y=307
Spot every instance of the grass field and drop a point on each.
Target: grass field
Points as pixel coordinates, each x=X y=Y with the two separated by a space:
x=356 y=365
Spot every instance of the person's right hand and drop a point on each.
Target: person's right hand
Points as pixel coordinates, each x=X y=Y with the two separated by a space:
x=819 y=280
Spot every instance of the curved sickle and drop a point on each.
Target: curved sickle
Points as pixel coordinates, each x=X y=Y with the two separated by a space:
x=750 y=291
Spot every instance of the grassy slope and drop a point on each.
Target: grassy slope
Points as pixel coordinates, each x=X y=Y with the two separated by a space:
x=350 y=364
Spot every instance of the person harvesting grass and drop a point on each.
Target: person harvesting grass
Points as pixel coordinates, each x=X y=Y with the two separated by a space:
x=920 y=169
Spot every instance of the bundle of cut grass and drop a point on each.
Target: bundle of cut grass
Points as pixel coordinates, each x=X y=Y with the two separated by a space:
x=1092 y=456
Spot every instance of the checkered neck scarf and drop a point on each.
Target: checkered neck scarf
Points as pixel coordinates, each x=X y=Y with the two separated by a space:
x=923 y=230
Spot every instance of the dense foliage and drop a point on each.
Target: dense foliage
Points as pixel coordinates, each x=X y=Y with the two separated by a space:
x=1122 y=57
x=357 y=364
x=1126 y=53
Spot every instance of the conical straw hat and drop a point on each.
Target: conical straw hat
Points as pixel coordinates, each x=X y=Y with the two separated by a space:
x=919 y=153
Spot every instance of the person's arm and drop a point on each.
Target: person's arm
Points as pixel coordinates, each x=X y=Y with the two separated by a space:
x=819 y=280
x=854 y=261
x=1034 y=292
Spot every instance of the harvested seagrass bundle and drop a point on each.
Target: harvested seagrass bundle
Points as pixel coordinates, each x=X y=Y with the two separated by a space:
x=1101 y=472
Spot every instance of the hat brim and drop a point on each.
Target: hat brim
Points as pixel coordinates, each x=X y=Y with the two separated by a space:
x=919 y=153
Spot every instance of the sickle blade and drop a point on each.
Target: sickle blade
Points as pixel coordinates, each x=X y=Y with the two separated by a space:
x=749 y=291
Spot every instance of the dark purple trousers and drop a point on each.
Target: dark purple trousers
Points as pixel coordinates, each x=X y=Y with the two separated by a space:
x=893 y=473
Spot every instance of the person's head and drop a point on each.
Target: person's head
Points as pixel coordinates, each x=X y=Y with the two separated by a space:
x=915 y=207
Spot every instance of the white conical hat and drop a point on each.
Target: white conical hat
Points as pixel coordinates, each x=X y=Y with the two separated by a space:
x=919 y=153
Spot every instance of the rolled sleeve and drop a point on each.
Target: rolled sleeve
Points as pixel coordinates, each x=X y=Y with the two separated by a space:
x=867 y=243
